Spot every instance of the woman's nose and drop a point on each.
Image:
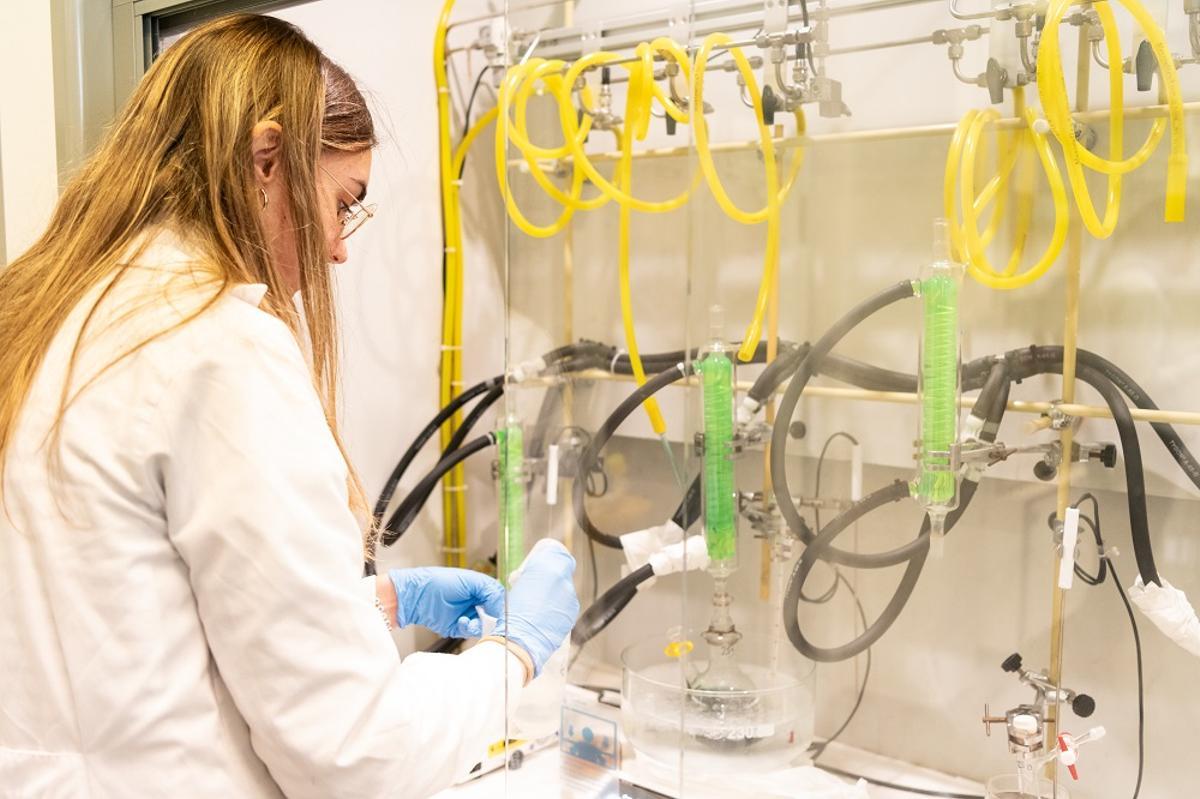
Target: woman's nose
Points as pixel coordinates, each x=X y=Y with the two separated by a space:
x=337 y=252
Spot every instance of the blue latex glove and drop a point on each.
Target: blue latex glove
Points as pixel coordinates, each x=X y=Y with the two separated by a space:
x=542 y=606
x=444 y=600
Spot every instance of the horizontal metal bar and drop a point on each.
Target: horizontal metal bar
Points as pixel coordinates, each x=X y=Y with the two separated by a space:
x=906 y=398
x=715 y=16
x=880 y=134
x=872 y=46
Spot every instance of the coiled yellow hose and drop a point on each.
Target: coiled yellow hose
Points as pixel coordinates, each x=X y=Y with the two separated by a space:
x=959 y=190
x=506 y=132
x=770 y=169
x=1052 y=91
x=559 y=81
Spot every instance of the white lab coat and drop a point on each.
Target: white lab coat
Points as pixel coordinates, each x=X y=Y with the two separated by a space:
x=182 y=611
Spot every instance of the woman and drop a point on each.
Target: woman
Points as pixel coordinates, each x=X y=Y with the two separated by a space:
x=182 y=611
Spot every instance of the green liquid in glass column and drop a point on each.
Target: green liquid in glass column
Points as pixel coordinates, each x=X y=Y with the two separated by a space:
x=720 y=511
x=511 y=445
x=939 y=387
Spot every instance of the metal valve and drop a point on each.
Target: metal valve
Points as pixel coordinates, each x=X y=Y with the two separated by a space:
x=1082 y=705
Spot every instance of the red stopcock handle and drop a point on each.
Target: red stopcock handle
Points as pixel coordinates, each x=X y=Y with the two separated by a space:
x=1068 y=757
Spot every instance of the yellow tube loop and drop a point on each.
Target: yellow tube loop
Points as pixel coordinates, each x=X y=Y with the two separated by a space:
x=703 y=151
x=1052 y=89
x=996 y=189
x=977 y=262
x=624 y=177
x=570 y=126
x=950 y=185
x=753 y=332
x=643 y=78
x=1026 y=155
x=960 y=191
x=504 y=130
x=527 y=77
x=549 y=73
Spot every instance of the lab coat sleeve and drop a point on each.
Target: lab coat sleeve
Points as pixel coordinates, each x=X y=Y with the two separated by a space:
x=256 y=497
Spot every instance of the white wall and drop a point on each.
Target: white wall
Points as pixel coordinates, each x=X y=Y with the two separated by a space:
x=28 y=166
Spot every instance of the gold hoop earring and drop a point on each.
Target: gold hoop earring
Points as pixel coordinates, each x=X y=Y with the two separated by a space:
x=265 y=199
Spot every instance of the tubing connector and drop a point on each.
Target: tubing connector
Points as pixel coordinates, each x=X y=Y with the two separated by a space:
x=527 y=369
x=691 y=554
x=747 y=409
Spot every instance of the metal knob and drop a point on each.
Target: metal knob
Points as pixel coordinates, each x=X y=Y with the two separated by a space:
x=770 y=104
x=1012 y=663
x=1083 y=705
x=1144 y=65
x=995 y=77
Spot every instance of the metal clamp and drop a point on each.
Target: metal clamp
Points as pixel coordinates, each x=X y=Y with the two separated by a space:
x=1059 y=419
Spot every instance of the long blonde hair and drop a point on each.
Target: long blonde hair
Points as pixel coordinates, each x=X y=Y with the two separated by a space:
x=179 y=155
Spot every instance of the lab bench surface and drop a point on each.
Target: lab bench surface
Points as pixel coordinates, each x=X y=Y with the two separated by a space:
x=540 y=777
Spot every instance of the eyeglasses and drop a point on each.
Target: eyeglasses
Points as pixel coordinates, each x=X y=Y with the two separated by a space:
x=355 y=214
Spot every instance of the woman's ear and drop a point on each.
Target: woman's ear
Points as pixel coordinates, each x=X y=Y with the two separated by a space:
x=266 y=145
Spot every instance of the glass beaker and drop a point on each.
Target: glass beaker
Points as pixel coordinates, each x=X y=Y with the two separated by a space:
x=1005 y=786
x=761 y=726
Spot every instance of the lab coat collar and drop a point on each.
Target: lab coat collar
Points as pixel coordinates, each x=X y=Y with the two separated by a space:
x=163 y=247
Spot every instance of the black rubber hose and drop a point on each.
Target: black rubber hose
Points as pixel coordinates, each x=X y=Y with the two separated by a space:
x=610 y=604
x=389 y=488
x=1135 y=475
x=865 y=375
x=551 y=358
x=856 y=373
x=658 y=362
x=1047 y=360
x=985 y=409
x=791 y=397
x=468 y=424
x=588 y=459
x=1136 y=394
x=996 y=401
x=777 y=372
x=411 y=505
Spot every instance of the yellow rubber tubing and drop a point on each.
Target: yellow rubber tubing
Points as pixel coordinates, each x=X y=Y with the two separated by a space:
x=977 y=262
x=766 y=285
x=1054 y=101
x=453 y=502
x=1052 y=89
x=700 y=131
x=965 y=146
x=624 y=178
x=518 y=134
x=579 y=158
x=504 y=129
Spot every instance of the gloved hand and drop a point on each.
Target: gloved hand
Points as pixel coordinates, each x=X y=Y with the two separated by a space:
x=542 y=605
x=444 y=600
